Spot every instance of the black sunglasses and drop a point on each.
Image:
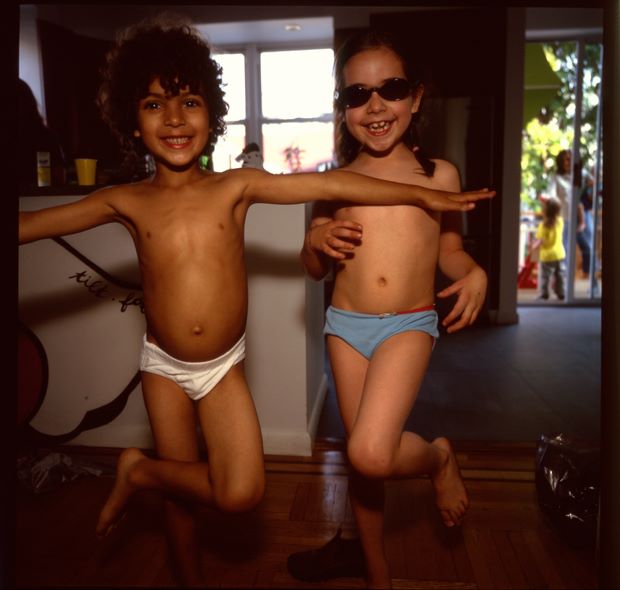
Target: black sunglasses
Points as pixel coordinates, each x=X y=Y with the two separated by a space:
x=356 y=95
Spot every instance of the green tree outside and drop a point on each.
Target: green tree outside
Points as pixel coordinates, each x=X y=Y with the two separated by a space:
x=552 y=129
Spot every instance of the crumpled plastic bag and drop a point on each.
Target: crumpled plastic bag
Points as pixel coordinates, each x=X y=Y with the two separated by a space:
x=42 y=471
x=568 y=485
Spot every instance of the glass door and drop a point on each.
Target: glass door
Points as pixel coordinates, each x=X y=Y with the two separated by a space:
x=561 y=159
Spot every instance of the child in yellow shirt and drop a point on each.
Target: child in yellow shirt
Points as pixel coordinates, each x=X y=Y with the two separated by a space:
x=552 y=253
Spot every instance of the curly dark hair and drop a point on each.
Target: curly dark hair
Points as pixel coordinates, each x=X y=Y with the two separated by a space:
x=162 y=48
x=347 y=147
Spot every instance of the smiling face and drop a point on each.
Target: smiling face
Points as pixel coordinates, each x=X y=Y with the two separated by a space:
x=174 y=128
x=379 y=124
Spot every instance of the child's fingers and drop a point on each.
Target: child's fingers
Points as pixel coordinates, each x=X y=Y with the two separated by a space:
x=461 y=203
x=458 y=325
x=334 y=247
x=348 y=224
x=337 y=244
x=477 y=195
x=346 y=229
x=346 y=233
x=333 y=253
x=456 y=311
x=468 y=317
x=450 y=290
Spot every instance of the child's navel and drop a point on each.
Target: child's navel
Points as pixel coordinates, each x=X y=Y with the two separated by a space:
x=382 y=281
x=197 y=330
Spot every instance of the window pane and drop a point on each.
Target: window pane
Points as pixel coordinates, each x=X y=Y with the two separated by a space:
x=297 y=83
x=233 y=79
x=297 y=147
x=228 y=148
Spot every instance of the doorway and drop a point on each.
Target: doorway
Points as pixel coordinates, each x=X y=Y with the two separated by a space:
x=562 y=124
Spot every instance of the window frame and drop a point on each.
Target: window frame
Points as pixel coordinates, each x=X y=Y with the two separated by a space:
x=254 y=119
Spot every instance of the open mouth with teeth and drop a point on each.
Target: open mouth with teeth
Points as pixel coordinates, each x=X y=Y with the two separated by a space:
x=176 y=142
x=379 y=127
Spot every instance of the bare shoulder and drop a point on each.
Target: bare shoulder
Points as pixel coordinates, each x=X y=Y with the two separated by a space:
x=446 y=176
x=115 y=192
x=243 y=175
x=242 y=181
x=119 y=194
x=120 y=198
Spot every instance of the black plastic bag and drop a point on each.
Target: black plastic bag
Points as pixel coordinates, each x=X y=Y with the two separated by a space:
x=568 y=484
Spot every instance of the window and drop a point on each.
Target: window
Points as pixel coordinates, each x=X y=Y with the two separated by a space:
x=281 y=100
x=230 y=145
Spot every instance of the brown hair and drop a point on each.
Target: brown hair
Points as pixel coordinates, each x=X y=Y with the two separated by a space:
x=551 y=212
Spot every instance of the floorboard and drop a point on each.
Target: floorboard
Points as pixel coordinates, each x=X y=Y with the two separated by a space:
x=505 y=541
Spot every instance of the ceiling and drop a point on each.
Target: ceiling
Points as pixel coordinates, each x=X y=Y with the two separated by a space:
x=295 y=30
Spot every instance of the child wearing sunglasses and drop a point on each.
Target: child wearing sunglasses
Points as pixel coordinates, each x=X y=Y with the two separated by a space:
x=162 y=95
x=381 y=325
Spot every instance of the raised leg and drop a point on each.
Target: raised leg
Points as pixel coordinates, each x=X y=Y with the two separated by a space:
x=233 y=480
x=375 y=400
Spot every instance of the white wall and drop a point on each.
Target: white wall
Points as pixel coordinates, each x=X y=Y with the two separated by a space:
x=276 y=363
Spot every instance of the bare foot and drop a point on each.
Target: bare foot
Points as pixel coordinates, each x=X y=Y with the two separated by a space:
x=114 y=508
x=450 y=493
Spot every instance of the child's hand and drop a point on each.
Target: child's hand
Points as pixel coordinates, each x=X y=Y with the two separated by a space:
x=446 y=201
x=471 y=291
x=334 y=238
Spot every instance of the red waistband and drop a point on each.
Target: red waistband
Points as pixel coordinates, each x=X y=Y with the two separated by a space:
x=425 y=308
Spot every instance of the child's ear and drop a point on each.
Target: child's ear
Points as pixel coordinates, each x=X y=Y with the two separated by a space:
x=417 y=98
x=136 y=133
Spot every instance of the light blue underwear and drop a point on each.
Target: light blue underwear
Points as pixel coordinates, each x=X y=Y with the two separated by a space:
x=365 y=332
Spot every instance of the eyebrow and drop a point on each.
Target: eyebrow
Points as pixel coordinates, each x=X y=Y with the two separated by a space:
x=165 y=96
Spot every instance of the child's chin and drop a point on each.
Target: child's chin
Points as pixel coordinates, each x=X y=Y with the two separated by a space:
x=379 y=151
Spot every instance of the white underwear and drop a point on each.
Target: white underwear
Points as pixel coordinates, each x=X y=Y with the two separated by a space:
x=195 y=378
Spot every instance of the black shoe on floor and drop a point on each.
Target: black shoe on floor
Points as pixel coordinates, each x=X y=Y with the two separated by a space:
x=336 y=559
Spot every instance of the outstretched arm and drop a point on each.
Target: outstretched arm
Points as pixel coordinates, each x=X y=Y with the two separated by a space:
x=343 y=185
x=71 y=218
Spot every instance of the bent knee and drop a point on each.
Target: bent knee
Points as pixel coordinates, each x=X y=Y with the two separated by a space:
x=369 y=459
x=239 y=496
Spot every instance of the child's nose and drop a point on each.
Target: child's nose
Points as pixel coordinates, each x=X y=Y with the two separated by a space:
x=375 y=103
x=174 y=115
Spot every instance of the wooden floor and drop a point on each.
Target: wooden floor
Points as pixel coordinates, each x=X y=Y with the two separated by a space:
x=505 y=542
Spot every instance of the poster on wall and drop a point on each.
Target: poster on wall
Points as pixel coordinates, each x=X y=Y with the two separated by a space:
x=81 y=322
